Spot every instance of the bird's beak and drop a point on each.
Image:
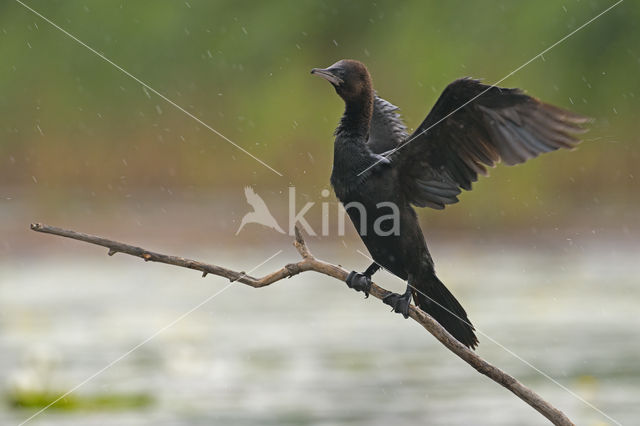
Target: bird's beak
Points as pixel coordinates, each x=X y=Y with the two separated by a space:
x=327 y=75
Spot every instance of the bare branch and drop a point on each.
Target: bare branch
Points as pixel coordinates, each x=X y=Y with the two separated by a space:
x=310 y=263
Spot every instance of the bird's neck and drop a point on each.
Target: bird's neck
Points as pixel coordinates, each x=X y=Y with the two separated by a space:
x=351 y=155
x=357 y=115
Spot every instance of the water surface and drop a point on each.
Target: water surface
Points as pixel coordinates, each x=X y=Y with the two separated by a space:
x=310 y=351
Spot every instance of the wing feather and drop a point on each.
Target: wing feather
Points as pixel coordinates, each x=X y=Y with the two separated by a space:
x=471 y=127
x=387 y=130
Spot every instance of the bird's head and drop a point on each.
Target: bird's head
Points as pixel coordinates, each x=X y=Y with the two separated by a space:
x=349 y=77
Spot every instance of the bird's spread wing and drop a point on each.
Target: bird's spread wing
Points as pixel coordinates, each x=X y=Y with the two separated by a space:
x=453 y=145
x=387 y=130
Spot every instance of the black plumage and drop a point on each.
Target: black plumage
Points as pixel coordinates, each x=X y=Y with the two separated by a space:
x=470 y=127
x=387 y=130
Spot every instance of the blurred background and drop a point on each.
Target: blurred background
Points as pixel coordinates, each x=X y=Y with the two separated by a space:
x=543 y=256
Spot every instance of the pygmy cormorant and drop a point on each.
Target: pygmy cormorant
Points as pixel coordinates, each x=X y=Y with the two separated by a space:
x=377 y=166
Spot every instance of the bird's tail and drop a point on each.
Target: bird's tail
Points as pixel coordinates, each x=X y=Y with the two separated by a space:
x=435 y=299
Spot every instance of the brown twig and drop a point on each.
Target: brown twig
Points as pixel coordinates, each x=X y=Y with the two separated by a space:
x=310 y=263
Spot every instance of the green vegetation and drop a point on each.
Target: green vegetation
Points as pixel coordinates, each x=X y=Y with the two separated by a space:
x=73 y=402
x=76 y=125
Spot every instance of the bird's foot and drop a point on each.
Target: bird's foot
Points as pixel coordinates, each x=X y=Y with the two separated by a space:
x=399 y=302
x=359 y=282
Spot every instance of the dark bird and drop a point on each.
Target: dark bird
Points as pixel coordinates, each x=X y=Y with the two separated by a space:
x=376 y=163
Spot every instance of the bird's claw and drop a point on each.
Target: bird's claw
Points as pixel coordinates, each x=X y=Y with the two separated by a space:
x=359 y=282
x=399 y=303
